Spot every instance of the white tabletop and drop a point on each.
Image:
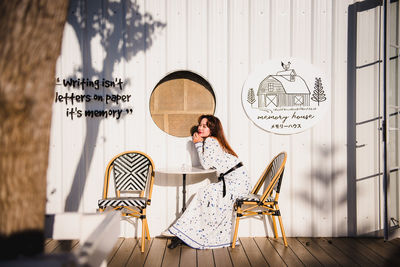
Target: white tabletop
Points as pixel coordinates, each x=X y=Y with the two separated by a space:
x=185 y=170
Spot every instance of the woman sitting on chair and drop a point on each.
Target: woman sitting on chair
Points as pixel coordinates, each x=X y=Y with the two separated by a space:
x=207 y=222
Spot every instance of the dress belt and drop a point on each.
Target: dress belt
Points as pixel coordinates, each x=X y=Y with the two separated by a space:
x=221 y=176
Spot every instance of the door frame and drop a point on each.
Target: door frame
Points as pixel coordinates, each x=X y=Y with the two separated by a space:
x=353 y=11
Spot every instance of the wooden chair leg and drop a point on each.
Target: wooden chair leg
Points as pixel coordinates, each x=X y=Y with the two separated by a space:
x=281 y=225
x=236 y=228
x=143 y=235
x=147 y=230
x=274 y=227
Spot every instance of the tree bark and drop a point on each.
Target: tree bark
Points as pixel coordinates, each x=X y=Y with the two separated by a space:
x=30 y=42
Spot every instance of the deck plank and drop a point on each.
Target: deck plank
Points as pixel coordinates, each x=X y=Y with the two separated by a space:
x=76 y=247
x=124 y=252
x=317 y=251
x=51 y=246
x=221 y=257
x=254 y=255
x=270 y=254
x=334 y=252
x=156 y=254
x=137 y=258
x=238 y=256
x=386 y=250
x=302 y=253
x=257 y=251
x=171 y=257
x=65 y=246
x=286 y=253
x=395 y=242
x=188 y=257
x=205 y=258
x=360 y=253
x=115 y=249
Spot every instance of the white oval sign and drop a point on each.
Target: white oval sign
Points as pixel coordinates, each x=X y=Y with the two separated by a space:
x=286 y=96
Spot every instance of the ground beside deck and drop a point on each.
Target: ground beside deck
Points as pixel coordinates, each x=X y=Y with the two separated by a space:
x=257 y=251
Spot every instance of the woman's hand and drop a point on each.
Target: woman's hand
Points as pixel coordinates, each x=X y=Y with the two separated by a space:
x=196 y=138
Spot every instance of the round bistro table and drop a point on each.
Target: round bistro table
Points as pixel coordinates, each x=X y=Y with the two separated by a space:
x=185 y=170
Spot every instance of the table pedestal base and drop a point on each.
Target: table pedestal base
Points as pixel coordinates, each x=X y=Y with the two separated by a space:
x=184 y=193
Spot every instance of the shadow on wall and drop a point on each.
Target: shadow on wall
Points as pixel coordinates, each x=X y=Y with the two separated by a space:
x=113 y=22
x=324 y=178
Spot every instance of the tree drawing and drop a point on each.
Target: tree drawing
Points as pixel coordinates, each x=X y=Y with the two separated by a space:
x=251 y=97
x=318 y=93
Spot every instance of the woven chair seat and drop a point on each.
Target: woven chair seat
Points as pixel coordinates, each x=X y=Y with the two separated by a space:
x=253 y=198
x=123 y=201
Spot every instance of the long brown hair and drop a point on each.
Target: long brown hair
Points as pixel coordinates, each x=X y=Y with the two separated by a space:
x=217 y=131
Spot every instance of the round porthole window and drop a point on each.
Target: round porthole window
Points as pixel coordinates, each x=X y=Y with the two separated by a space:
x=178 y=100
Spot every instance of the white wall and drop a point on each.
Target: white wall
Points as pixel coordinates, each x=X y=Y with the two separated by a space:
x=222 y=41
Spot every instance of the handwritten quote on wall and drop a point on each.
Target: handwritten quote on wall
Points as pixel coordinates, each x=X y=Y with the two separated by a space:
x=101 y=98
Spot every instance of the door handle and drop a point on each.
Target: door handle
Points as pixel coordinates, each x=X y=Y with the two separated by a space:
x=359 y=146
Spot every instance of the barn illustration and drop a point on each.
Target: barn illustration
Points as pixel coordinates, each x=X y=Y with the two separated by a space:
x=284 y=89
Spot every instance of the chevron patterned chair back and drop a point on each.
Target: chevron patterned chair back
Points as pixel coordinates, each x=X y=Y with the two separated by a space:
x=133 y=172
x=267 y=202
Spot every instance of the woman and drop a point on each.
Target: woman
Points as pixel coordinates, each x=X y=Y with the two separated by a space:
x=208 y=220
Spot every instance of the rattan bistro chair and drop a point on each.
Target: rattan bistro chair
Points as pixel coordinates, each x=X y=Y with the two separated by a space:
x=133 y=173
x=267 y=203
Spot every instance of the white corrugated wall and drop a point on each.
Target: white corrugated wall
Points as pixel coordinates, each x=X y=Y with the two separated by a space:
x=223 y=41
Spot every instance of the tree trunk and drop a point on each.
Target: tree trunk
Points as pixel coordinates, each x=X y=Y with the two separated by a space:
x=30 y=41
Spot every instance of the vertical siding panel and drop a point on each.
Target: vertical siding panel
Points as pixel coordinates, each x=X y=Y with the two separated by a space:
x=218 y=56
x=156 y=140
x=280 y=29
x=113 y=129
x=155 y=63
x=197 y=37
x=114 y=68
x=177 y=48
x=54 y=170
x=73 y=168
x=280 y=48
x=300 y=158
x=56 y=175
x=321 y=133
x=259 y=154
x=177 y=34
x=339 y=118
x=238 y=71
x=135 y=73
x=94 y=55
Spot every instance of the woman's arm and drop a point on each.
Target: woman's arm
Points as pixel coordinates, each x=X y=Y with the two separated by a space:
x=209 y=154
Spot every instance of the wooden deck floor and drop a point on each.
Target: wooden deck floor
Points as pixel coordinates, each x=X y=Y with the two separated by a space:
x=257 y=251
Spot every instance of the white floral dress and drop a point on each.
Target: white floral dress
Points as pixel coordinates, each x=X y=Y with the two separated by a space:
x=208 y=220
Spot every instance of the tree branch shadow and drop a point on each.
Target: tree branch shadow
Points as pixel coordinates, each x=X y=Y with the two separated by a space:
x=325 y=179
x=124 y=32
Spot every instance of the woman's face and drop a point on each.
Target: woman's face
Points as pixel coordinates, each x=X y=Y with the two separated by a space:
x=203 y=129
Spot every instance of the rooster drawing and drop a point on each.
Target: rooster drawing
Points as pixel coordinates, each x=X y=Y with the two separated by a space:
x=285 y=66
